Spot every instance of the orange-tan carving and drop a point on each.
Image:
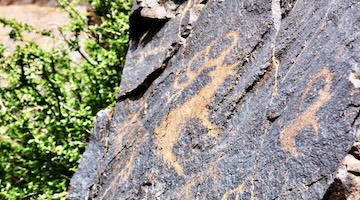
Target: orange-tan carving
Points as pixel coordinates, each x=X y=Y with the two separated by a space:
x=288 y=135
x=168 y=132
x=124 y=174
x=238 y=190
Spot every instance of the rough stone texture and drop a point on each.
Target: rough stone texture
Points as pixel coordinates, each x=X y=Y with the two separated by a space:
x=233 y=100
x=347 y=182
x=154 y=41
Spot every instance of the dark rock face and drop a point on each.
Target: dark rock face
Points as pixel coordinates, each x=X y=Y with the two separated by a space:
x=232 y=99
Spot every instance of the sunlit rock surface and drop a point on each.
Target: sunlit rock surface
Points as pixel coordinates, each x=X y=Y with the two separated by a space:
x=229 y=99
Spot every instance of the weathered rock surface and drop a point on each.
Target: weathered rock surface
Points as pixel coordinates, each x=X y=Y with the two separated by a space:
x=232 y=99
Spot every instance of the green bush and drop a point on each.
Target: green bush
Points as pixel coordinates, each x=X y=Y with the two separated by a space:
x=48 y=105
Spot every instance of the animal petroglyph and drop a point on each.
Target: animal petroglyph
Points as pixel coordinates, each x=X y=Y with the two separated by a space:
x=122 y=173
x=237 y=191
x=197 y=107
x=288 y=135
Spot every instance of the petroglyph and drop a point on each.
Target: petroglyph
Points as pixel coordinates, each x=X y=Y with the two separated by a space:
x=168 y=132
x=124 y=174
x=237 y=191
x=288 y=135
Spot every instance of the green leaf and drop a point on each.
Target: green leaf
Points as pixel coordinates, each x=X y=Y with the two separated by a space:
x=49 y=102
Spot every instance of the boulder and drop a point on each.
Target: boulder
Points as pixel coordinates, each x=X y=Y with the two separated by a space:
x=228 y=99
